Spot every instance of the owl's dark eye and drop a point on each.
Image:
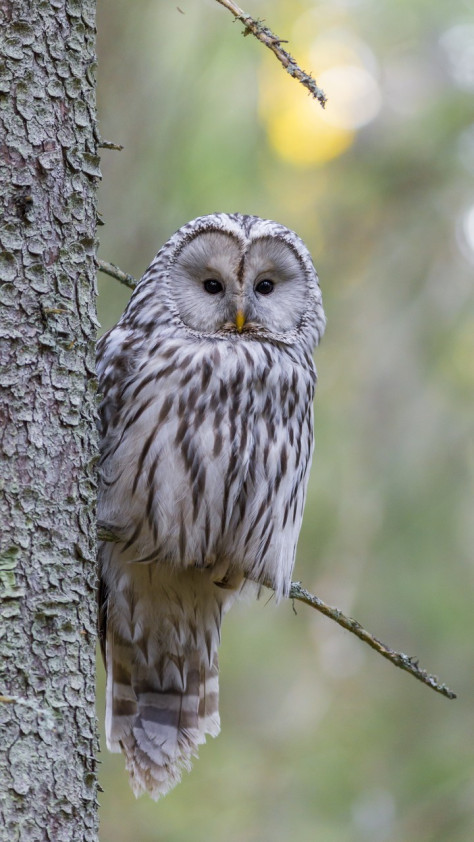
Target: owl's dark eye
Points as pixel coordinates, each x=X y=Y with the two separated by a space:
x=265 y=287
x=212 y=286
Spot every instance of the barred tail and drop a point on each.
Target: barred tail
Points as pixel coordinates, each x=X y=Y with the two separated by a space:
x=159 y=717
x=162 y=676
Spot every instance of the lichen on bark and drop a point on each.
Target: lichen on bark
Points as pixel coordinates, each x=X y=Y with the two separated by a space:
x=49 y=170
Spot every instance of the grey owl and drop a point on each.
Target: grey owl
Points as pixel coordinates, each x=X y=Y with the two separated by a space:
x=207 y=386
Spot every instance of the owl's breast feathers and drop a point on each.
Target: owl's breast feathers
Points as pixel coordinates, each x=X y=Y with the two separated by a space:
x=206 y=453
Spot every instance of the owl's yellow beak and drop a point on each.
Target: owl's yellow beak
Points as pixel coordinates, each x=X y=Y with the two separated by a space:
x=239 y=320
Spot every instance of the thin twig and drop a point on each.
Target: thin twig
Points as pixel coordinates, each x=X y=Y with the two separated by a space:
x=109 y=144
x=266 y=36
x=114 y=272
x=398 y=659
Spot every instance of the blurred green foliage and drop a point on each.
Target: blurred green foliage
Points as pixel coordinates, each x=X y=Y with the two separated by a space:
x=321 y=739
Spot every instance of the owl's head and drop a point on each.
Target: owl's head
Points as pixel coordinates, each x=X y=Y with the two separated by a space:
x=229 y=275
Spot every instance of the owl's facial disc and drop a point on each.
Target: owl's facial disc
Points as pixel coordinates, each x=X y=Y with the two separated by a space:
x=220 y=285
x=275 y=286
x=202 y=280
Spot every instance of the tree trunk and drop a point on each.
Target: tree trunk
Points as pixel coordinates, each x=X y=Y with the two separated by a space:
x=48 y=176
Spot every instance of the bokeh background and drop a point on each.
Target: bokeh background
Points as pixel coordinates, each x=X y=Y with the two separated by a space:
x=322 y=739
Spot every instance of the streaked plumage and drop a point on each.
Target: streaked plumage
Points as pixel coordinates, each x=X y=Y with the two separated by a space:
x=207 y=435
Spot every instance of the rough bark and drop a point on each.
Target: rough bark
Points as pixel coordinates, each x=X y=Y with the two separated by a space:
x=48 y=175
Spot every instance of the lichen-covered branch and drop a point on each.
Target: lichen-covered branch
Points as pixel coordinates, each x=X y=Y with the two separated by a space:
x=398 y=659
x=114 y=272
x=267 y=37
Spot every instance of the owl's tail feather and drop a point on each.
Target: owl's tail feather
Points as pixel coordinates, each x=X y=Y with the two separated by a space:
x=158 y=717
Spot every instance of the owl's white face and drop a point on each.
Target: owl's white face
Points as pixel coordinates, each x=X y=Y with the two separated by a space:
x=219 y=284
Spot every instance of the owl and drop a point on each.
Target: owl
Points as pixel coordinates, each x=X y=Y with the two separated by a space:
x=207 y=386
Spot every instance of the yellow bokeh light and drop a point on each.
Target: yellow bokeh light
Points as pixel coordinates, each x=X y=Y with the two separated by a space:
x=299 y=134
x=298 y=129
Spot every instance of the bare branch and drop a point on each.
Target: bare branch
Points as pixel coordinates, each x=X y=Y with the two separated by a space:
x=104 y=534
x=114 y=272
x=266 y=36
x=405 y=662
x=109 y=144
x=398 y=659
